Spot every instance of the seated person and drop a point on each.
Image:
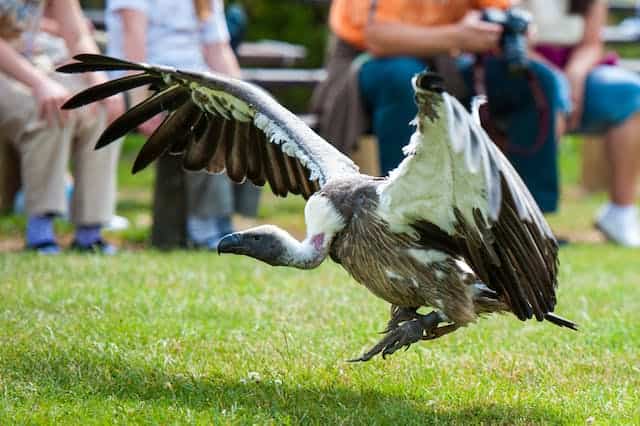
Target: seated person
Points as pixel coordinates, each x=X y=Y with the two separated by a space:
x=188 y=35
x=605 y=101
x=381 y=45
x=45 y=137
x=376 y=48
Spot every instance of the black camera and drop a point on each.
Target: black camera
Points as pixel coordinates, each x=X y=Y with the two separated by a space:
x=515 y=23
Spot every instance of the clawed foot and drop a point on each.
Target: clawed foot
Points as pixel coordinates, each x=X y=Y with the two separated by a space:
x=404 y=329
x=398 y=316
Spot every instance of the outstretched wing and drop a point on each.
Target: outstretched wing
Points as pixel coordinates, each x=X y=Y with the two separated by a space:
x=217 y=124
x=459 y=193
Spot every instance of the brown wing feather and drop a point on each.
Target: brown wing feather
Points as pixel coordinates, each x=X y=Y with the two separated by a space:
x=236 y=158
x=217 y=163
x=290 y=168
x=219 y=124
x=511 y=256
x=255 y=171
x=184 y=121
x=306 y=186
x=274 y=176
x=199 y=149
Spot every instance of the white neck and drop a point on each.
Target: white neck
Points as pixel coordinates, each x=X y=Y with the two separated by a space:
x=323 y=223
x=302 y=255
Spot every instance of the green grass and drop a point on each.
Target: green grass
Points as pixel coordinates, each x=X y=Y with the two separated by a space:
x=162 y=338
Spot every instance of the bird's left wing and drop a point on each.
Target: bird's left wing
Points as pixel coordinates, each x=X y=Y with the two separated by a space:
x=217 y=124
x=458 y=193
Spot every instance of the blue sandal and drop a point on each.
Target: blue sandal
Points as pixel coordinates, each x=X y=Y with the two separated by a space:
x=99 y=247
x=44 y=247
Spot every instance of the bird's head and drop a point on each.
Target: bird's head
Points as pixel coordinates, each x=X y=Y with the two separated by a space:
x=277 y=247
x=266 y=243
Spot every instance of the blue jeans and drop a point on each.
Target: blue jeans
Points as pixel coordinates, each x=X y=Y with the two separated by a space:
x=532 y=145
x=612 y=95
x=385 y=85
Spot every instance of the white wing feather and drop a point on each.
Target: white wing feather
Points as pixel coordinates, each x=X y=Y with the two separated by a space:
x=445 y=167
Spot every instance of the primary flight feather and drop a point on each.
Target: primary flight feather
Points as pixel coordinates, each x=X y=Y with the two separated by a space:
x=452 y=228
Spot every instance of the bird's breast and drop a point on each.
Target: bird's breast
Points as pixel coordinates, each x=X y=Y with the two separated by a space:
x=390 y=264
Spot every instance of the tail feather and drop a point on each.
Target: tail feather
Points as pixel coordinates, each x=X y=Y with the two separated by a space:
x=559 y=321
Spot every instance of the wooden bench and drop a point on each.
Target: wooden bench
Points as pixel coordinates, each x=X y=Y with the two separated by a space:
x=276 y=78
x=270 y=53
x=262 y=53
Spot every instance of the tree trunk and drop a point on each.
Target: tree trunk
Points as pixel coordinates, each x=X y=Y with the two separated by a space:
x=169 y=205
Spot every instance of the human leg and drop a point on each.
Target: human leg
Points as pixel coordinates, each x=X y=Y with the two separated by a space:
x=94 y=171
x=246 y=197
x=385 y=84
x=620 y=142
x=209 y=208
x=94 y=194
x=612 y=106
x=530 y=121
x=44 y=152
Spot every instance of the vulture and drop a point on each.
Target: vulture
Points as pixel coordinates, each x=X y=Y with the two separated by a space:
x=452 y=228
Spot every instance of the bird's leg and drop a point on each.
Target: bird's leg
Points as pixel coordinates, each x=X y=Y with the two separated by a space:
x=404 y=333
x=398 y=316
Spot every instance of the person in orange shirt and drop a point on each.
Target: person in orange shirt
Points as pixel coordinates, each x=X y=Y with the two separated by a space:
x=392 y=40
x=418 y=28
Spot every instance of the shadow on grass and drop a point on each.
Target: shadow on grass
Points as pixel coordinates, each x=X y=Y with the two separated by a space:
x=67 y=376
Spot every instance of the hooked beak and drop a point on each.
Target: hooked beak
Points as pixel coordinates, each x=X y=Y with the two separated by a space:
x=231 y=243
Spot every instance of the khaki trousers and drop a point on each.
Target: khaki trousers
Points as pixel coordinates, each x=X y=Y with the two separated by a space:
x=45 y=153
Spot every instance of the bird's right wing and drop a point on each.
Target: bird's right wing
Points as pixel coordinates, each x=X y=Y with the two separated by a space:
x=217 y=124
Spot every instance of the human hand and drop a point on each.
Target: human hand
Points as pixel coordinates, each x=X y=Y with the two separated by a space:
x=50 y=95
x=477 y=36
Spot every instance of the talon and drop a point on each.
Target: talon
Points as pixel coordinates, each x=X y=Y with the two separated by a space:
x=405 y=328
x=441 y=331
x=398 y=316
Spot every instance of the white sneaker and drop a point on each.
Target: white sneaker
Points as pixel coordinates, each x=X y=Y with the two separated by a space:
x=117 y=223
x=621 y=225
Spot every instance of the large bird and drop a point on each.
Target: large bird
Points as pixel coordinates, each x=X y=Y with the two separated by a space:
x=452 y=228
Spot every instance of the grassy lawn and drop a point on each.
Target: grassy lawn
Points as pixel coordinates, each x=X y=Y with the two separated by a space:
x=163 y=338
